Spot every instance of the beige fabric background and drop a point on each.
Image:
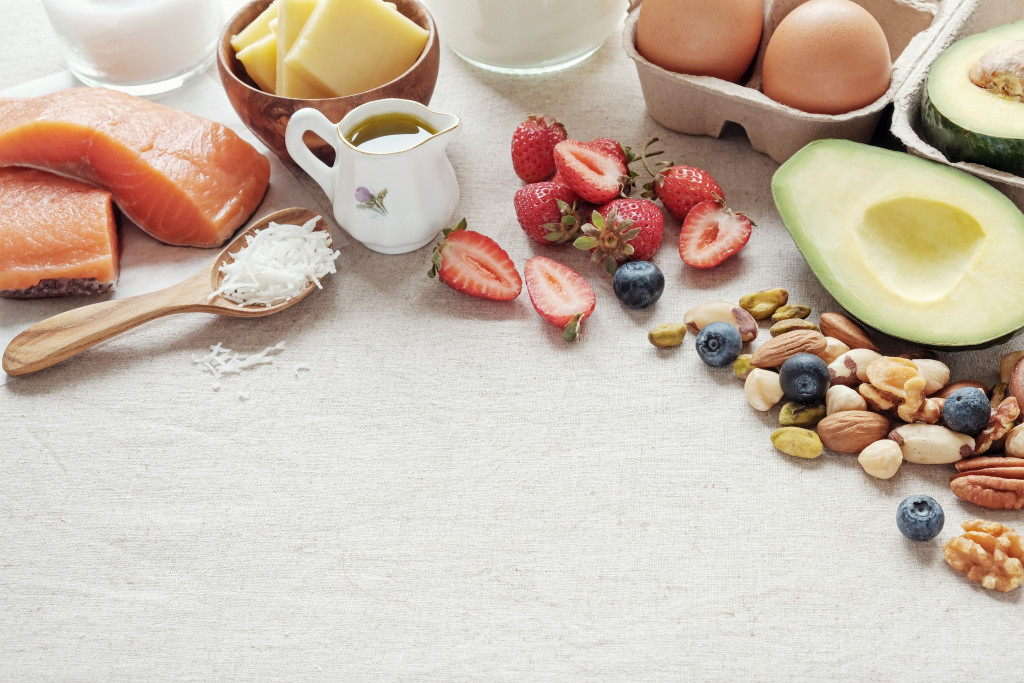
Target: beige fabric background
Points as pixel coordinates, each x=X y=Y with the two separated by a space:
x=451 y=492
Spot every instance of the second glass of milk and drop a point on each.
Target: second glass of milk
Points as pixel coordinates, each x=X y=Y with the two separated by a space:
x=138 y=46
x=526 y=36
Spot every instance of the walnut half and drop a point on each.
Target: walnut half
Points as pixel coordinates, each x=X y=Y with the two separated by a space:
x=989 y=553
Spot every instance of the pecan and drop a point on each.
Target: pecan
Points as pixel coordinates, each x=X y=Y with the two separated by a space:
x=989 y=553
x=774 y=352
x=999 y=424
x=1015 y=385
x=995 y=483
x=842 y=328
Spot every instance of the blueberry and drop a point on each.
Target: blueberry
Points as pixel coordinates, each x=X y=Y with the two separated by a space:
x=804 y=378
x=966 y=411
x=638 y=284
x=920 y=518
x=718 y=344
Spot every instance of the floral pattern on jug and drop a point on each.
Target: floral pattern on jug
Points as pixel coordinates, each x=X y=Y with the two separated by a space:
x=368 y=200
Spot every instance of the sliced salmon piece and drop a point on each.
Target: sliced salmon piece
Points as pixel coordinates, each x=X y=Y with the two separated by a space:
x=181 y=178
x=57 y=236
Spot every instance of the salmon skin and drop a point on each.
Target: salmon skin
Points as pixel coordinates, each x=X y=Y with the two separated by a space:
x=183 y=179
x=57 y=236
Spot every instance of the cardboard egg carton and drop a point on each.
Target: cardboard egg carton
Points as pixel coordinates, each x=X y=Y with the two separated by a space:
x=703 y=105
x=970 y=17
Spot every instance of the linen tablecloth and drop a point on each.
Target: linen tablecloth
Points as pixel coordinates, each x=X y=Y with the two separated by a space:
x=426 y=486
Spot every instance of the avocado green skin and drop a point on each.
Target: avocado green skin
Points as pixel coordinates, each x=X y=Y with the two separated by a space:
x=941 y=347
x=958 y=143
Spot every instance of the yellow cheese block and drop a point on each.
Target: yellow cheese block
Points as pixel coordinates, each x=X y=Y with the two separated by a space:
x=258 y=29
x=351 y=46
x=260 y=62
x=291 y=17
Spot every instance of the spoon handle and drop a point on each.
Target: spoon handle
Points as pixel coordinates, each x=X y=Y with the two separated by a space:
x=66 y=334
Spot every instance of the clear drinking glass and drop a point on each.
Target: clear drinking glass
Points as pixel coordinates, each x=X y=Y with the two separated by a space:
x=525 y=36
x=138 y=46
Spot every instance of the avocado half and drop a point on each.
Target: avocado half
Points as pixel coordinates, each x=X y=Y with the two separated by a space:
x=916 y=249
x=967 y=122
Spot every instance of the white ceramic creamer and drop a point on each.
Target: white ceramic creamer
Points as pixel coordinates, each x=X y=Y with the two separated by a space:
x=393 y=195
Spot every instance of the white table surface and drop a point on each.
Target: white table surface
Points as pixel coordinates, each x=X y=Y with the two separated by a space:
x=452 y=493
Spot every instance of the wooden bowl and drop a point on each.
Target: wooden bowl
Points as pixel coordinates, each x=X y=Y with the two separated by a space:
x=267 y=115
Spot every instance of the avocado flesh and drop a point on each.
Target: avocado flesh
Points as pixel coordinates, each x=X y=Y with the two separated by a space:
x=916 y=249
x=966 y=122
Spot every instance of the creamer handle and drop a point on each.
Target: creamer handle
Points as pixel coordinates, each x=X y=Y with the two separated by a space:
x=312 y=120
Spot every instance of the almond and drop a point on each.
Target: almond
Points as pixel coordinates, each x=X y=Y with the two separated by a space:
x=947 y=390
x=777 y=350
x=851 y=431
x=845 y=330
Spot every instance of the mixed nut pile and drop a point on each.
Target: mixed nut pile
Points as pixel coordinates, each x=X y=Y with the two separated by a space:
x=843 y=394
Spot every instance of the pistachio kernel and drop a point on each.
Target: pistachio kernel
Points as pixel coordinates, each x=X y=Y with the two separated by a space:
x=795 y=414
x=761 y=305
x=741 y=367
x=797 y=441
x=791 y=311
x=790 y=324
x=669 y=334
x=999 y=392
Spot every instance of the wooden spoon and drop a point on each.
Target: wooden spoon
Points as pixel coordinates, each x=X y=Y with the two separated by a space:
x=64 y=335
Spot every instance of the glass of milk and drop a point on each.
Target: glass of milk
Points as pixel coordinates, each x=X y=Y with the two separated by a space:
x=142 y=47
x=525 y=36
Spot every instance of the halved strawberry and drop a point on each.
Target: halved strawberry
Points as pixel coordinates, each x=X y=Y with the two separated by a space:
x=474 y=264
x=612 y=148
x=533 y=143
x=712 y=233
x=559 y=294
x=624 y=154
x=547 y=212
x=595 y=176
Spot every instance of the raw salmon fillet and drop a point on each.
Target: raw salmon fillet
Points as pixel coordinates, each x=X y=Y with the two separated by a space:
x=181 y=178
x=57 y=236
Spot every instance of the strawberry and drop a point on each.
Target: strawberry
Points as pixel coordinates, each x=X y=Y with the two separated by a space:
x=593 y=175
x=533 y=144
x=680 y=188
x=621 y=230
x=474 y=264
x=559 y=294
x=613 y=149
x=712 y=233
x=624 y=154
x=548 y=212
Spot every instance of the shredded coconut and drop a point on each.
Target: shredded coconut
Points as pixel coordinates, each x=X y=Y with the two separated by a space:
x=277 y=264
x=223 y=361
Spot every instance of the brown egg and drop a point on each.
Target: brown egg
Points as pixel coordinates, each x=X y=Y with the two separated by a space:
x=827 y=57
x=700 y=37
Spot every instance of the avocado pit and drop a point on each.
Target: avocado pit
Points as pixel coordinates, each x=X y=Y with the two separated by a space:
x=1001 y=70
